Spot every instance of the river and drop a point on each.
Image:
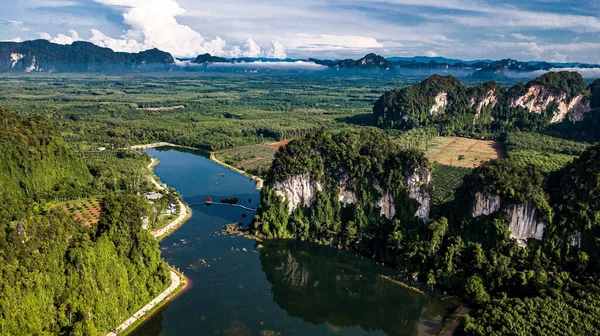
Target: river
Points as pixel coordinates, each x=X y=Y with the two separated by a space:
x=284 y=288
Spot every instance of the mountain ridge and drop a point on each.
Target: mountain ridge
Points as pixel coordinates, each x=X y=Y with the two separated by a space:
x=80 y=56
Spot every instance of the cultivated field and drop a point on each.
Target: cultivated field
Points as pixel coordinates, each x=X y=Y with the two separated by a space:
x=463 y=152
x=87 y=211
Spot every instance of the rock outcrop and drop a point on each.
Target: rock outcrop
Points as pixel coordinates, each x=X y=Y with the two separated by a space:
x=418 y=183
x=303 y=189
x=441 y=101
x=386 y=202
x=347 y=196
x=524 y=223
x=479 y=103
x=537 y=99
x=485 y=204
x=299 y=189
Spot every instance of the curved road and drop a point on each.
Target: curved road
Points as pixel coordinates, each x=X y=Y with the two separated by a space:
x=175 y=280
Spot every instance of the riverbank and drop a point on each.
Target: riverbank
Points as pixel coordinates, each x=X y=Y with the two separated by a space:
x=184 y=285
x=160 y=144
x=213 y=158
x=179 y=282
x=166 y=230
x=259 y=182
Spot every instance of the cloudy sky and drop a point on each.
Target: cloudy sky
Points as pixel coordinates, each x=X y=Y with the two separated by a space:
x=552 y=30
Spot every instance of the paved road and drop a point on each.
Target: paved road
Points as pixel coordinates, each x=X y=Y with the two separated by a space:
x=173 y=224
x=175 y=282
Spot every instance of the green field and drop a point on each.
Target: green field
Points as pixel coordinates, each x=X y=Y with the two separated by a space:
x=255 y=159
x=220 y=111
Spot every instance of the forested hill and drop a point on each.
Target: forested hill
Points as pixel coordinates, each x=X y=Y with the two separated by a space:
x=44 y=56
x=58 y=276
x=518 y=244
x=349 y=190
x=35 y=165
x=488 y=110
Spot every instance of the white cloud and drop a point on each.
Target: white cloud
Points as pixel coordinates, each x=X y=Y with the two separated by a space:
x=153 y=24
x=522 y=37
x=554 y=52
x=325 y=42
x=45 y=36
x=66 y=39
x=277 y=50
x=18 y=25
x=585 y=73
x=298 y=65
x=251 y=49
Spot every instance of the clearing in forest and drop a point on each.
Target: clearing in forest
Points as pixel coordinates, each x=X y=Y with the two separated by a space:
x=164 y=108
x=249 y=158
x=463 y=152
x=87 y=211
x=277 y=144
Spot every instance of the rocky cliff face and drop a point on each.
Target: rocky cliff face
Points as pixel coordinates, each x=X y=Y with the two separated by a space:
x=441 y=101
x=299 y=189
x=418 y=183
x=302 y=189
x=538 y=98
x=524 y=223
x=485 y=204
x=347 y=196
x=386 y=203
x=479 y=103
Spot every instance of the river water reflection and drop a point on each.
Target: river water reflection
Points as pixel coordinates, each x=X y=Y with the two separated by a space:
x=284 y=288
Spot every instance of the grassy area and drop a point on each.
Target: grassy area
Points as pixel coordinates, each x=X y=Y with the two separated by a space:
x=87 y=211
x=463 y=152
x=254 y=159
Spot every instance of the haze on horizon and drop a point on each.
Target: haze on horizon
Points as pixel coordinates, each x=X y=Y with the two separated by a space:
x=550 y=30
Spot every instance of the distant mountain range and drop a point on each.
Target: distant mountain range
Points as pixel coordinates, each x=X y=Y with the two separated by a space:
x=44 y=56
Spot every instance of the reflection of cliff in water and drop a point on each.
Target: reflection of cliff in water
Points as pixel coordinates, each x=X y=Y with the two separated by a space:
x=320 y=285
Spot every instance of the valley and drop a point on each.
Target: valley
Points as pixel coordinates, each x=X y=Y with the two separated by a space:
x=450 y=184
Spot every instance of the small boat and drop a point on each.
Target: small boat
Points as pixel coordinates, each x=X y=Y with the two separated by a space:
x=208 y=200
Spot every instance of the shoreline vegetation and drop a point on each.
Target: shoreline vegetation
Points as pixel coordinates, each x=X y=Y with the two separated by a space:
x=179 y=282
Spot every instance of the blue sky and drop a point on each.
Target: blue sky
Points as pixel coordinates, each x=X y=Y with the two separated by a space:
x=553 y=30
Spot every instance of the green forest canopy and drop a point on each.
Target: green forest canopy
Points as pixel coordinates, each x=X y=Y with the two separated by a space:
x=475 y=257
x=410 y=107
x=58 y=276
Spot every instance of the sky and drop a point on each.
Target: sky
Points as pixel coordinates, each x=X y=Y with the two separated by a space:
x=551 y=30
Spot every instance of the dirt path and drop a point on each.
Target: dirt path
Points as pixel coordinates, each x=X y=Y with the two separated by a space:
x=165 y=108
